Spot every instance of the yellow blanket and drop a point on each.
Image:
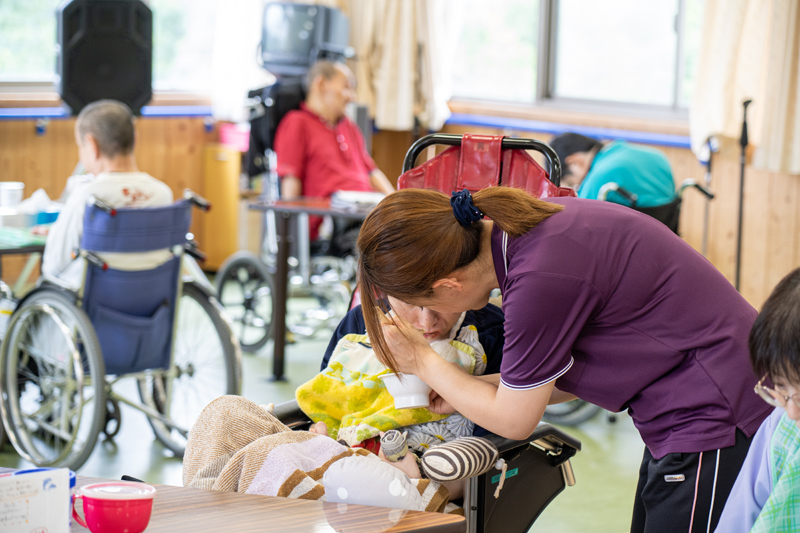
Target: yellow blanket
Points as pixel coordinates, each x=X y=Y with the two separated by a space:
x=349 y=397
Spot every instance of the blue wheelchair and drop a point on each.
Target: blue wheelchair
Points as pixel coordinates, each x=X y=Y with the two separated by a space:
x=65 y=350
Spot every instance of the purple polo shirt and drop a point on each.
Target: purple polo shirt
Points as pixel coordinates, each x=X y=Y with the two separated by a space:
x=624 y=314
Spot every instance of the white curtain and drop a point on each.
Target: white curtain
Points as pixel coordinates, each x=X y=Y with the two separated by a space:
x=751 y=50
x=234 y=66
x=404 y=51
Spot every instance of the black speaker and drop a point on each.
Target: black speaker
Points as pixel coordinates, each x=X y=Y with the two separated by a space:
x=105 y=50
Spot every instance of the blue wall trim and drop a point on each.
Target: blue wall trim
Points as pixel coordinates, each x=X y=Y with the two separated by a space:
x=554 y=128
x=34 y=113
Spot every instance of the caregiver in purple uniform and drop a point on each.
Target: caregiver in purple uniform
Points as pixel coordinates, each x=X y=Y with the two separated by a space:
x=601 y=303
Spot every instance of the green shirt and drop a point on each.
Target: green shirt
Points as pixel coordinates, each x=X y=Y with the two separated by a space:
x=781 y=512
x=638 y=169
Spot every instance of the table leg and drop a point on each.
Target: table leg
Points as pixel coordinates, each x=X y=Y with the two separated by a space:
x=22 y=286
x=281 y=282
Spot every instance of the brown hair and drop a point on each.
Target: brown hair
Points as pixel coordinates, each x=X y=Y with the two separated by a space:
x=111 y=124
x=412 y=239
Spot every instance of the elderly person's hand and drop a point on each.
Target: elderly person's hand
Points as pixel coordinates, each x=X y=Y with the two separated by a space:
x=408 y=464
x=407 y=344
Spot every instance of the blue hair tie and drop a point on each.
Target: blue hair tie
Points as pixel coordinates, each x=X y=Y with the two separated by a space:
x=464 y=210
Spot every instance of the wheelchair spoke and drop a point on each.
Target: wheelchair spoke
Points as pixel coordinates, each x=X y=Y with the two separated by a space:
x=50 y=381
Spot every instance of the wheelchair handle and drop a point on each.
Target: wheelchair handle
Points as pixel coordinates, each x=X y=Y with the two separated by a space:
x=108 y=208
x=94 y=259
x=692 y=183
x=514 y=143
x=196 y=199
x=190 y=248
x=610 y=187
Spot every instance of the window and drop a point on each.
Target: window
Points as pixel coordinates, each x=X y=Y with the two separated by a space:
x=498 y=48
x=28 y=40
x=612 y=53
x=183 y=36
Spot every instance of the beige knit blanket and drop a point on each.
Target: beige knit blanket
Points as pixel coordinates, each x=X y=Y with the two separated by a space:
x=238 y=446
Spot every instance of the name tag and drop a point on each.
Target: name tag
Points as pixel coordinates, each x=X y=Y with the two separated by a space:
x=674 y=478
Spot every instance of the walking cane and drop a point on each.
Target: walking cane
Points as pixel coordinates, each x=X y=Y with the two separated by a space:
x=706 y=153
x=743 y=142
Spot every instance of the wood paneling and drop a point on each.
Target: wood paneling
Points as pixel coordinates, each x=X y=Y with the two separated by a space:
x=389 y=149
x=171 y=149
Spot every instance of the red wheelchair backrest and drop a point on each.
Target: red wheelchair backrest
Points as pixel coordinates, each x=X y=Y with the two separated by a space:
x=480 y=162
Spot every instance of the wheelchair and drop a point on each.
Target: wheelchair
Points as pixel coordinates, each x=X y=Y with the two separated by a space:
x=322 y=273
x=65 y=350
x=537 y=470
x=669 y=214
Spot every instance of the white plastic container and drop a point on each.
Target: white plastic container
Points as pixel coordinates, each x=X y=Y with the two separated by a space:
x=409 y=393
x=11 y=193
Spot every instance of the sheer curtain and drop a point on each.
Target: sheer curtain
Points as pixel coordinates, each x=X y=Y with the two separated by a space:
x=751 y=50
x=234 y=65
x=404 y=52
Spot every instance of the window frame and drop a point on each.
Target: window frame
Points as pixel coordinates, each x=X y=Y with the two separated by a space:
x=546 y=97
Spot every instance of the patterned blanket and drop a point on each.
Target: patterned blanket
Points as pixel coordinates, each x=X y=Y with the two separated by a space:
x=238 y=446
x=352 y=401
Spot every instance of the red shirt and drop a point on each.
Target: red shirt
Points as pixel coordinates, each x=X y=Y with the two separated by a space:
x=324 y=158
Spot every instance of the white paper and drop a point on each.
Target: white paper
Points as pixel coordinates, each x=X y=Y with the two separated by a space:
x=35 y=502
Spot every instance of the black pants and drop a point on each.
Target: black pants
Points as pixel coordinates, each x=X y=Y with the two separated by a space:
x=671 y=499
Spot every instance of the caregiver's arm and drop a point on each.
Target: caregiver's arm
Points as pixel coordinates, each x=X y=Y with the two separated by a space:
x=513 y=414
x=558 y=396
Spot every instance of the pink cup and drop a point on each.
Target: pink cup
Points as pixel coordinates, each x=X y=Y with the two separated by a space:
x=115 y=506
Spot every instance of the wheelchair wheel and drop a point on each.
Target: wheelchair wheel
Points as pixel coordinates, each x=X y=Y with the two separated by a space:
x=53 y=381
x=245 y=290
x=570 y=413
x=206 y=364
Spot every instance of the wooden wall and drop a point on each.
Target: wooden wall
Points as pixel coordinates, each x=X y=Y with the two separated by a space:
x=771 y=234
x=170 y=149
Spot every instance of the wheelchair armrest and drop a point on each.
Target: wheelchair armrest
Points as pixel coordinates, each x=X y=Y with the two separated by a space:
x=558 y=445
x=290 y=414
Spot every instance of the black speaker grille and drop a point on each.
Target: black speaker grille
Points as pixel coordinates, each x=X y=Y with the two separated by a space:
x=105 y=52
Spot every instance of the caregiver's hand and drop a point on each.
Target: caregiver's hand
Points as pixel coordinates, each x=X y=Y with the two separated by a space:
x=409 y=347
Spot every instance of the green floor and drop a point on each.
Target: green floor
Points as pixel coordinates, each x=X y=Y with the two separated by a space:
x=605 y=469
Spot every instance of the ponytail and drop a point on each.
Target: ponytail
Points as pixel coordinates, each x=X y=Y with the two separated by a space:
x=513 y=210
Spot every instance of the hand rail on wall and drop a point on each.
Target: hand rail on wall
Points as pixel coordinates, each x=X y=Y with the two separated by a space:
x=555 y=128
x=36 y=113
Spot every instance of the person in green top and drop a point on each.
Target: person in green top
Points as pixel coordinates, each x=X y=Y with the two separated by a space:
x=589 y=165
x=766 y=495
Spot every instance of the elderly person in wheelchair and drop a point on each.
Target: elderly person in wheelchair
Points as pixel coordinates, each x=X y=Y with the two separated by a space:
x=320 y=150
x=125 y=309
x=104 y=132
x=590 y=164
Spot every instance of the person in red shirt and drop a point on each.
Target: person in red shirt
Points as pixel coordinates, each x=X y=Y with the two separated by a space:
x=320 y=150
